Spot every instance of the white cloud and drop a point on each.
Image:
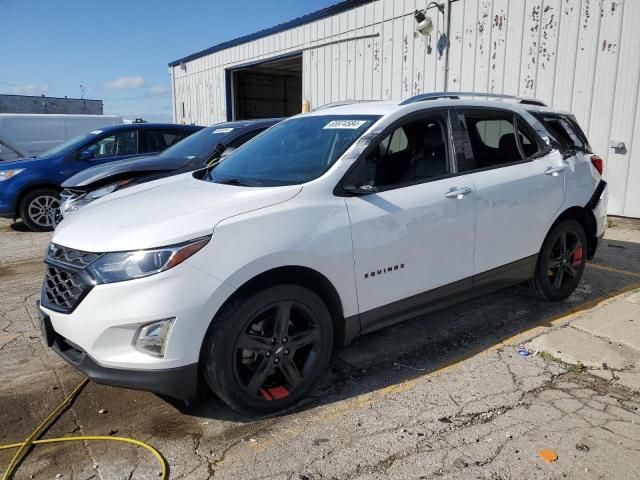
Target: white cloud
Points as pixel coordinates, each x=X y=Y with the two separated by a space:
x=124 y=83
x=159 y=90
x=29 y=90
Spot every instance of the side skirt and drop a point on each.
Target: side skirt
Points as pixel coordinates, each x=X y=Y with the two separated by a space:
x=459 y=291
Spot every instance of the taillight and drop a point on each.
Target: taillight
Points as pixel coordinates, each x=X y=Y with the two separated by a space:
x=598 y=163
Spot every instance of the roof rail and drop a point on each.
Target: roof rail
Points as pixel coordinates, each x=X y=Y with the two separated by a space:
x=456 y=96
x=343 y=102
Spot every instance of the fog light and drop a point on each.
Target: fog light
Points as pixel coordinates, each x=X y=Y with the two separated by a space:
x=152 y=338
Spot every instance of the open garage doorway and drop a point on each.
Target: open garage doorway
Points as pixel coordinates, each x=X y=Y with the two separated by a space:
x=268 y=89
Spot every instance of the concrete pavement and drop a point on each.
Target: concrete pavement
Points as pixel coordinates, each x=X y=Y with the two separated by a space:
x=446 y=395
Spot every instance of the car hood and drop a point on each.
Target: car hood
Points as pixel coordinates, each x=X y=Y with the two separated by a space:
x=163 y=212
x=22 y=163
x=100 y=174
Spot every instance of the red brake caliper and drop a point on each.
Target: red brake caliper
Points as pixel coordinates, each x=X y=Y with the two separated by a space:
x=275 y=393
x=577 y=256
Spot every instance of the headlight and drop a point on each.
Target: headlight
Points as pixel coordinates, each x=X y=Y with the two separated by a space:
x=121 y=266
x=7 y=174
x=75 y=203
x=101 y=192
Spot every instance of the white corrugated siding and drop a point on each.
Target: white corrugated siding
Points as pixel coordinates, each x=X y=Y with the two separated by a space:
x=578 y=55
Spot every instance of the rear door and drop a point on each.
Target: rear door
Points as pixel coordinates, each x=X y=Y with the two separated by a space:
x=519 y=181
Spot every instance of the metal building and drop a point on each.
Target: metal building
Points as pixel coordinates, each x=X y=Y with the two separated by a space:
x=42 y=104
x=578 y=55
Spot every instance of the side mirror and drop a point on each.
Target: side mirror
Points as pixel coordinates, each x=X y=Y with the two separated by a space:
x=85 y=155
x=220 y=148
x=359 y=189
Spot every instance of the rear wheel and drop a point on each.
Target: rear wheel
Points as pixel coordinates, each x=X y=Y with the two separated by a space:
x=38 y=207
x=561 y=262
x=266 y=351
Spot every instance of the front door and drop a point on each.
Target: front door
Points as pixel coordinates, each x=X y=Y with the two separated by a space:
x=416 y=231
x=117 y=146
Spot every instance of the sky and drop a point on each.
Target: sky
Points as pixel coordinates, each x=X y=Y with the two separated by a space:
x=118 y=51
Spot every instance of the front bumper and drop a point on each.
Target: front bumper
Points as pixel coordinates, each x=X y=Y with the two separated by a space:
x=179 y=382
x=97 y=336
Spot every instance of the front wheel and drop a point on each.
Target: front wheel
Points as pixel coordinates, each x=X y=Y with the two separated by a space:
x=561 y=262
x=38 y=209
x=264 y=352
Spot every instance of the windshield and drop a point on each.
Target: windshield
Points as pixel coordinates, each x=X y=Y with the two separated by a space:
x=292 y=152
x=71 y=144
x=199 y=145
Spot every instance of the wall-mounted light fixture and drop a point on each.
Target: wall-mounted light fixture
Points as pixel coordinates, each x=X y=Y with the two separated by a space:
x=424 y=23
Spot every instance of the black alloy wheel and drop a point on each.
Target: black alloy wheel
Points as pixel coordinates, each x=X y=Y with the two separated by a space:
x=265 y=352
x=561 y=261
x=277 y=350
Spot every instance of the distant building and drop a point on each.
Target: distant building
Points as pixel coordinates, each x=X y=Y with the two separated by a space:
x=42 y=104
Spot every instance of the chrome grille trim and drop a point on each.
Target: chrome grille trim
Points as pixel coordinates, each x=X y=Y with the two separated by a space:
x=66 y=280
x=62 y=288
x=69 y=256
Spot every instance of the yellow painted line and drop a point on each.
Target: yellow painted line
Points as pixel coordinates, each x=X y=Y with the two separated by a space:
x=598 y=266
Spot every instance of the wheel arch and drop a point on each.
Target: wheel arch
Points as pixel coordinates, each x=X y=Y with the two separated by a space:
x=344 y=329
x=585 y=218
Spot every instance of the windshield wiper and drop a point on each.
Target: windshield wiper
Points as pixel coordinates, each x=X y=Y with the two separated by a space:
x=234 y=181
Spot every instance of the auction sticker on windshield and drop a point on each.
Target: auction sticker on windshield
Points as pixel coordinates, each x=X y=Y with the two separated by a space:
x=222 y=130
x=96 y=132
x=349 y=124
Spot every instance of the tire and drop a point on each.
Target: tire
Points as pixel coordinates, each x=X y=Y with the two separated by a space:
x=37 y=209
x=561 y=262
x=259 y=365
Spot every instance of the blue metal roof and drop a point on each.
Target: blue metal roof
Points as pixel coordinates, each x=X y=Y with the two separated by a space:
x=296 y=22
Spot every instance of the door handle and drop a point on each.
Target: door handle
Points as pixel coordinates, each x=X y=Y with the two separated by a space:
x=554 y=171
x=458 y=192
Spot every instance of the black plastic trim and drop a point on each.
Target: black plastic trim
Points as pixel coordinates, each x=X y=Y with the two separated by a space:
x=482 y=283
x=595 y=198
x=81 y=271
x=180 y=382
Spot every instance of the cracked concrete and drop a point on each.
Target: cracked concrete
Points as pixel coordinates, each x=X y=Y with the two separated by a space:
x=442 y=396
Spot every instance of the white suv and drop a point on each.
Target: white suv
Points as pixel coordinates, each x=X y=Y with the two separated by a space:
x=327 y=226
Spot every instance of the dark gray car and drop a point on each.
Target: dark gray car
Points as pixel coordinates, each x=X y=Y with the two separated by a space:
x=203 y=148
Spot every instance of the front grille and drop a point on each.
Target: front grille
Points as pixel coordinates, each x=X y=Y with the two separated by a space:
x=62 y=289
x=70 y=256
